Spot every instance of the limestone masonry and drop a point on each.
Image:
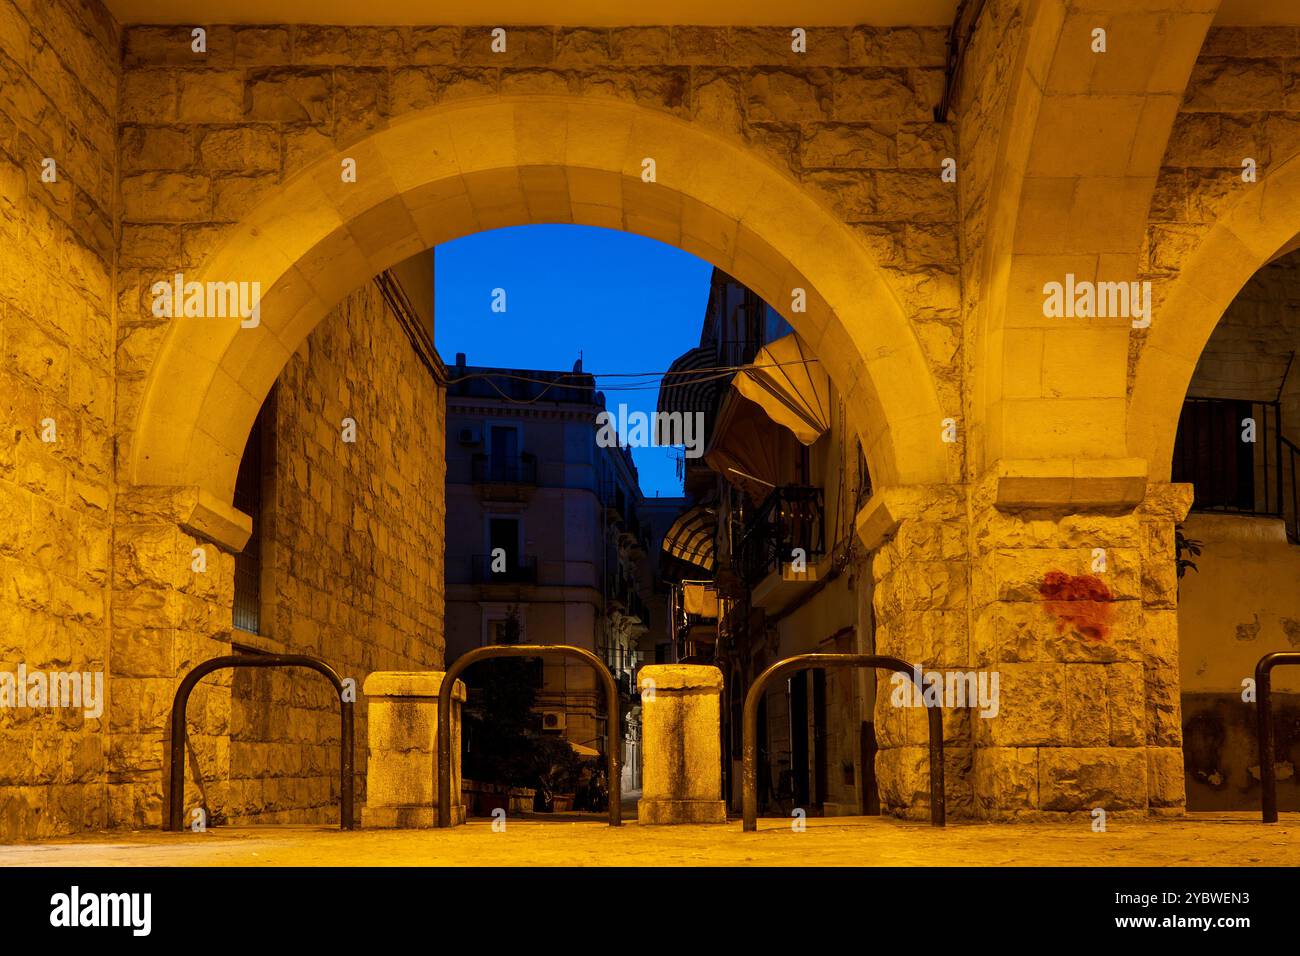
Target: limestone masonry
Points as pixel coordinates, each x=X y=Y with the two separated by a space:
x=820 y=171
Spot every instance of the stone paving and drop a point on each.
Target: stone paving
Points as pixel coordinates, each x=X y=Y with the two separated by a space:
x=1201 y=839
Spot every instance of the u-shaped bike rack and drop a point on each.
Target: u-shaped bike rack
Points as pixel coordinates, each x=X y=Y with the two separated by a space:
x=176 y=785
x=612 y=736
x=749 y=770
x=1267 y=739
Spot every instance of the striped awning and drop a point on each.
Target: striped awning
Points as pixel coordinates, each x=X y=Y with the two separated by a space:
x=692 y=535
x=691 y=385
x=788 y=383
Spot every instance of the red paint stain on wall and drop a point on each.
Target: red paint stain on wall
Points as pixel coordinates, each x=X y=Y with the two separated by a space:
x=1078 y=601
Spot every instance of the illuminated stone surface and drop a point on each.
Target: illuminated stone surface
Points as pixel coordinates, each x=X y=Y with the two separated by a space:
x=1212 y=840
x=821 y=172
x=682 y=764
x=400 y=789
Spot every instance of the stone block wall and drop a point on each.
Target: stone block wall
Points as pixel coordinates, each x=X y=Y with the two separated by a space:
x=353 y=553
x=983 y=102
x=1239 y=104
x=59 y=76
x=204 y=137
x=162 y=151
x=920 y=601
x=1078 y=616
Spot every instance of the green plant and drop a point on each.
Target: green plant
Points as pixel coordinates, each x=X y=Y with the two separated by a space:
x=557 y=767
x=1184 y=544
x=500 y=728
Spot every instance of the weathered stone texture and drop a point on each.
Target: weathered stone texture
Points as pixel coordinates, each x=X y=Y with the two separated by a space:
x=354 y=537
x=162 y=150
x=851 y=118
x=1240 y=103
x=353 y=554
x=59 y=78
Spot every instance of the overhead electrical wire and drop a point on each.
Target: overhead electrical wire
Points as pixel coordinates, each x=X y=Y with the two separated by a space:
x=692 y=376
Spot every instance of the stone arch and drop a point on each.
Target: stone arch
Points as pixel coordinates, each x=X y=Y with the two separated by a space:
x=488 y=163
x=1259 y=226
x=1078 y=158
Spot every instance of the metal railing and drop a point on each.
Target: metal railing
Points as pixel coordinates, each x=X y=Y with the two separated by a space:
x=1289 y=464
x=685 y=627
x=623 y=592
x=612 y=724
x=1229 y=473
x=176 y=783
x=515 y=471
x=790 y=518
x=749 y=769
x=1267 y=737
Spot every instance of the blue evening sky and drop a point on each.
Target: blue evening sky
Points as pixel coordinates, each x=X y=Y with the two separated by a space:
x=626 y=303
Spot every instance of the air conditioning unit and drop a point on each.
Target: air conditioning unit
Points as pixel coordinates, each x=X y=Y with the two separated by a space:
x=471 y=435
x=552 y=720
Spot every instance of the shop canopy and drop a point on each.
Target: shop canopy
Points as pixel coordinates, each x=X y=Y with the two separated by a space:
x=787 y=381
x=747 y=449
x=692 y=535
x=692 y=383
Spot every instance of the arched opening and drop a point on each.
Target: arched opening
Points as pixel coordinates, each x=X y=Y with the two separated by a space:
x=1257 y=228
x=315 y=247
x=722 y=535
x=1211 y=373
x=1238 y=445
x=456 y=170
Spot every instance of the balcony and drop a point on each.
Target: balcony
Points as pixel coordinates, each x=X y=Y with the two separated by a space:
x=504 y=479
x=520 y=569
x=788 y=526
x=694 y=607
x=622 y=595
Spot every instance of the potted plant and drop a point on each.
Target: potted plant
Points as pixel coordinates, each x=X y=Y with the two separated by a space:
x=557 y=774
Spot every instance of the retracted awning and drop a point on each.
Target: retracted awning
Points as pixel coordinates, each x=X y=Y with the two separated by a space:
x=787 y=381
x=691 y=537
x=692 y=383
x=748 y=449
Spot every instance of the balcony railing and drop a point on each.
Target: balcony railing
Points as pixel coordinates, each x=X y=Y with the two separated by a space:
x=521 y=569
x=694 y=634
x=515 y=471
x=621 y=592
x=789 y=524
x=1231 y=473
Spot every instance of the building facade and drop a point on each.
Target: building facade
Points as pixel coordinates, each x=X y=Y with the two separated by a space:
x=543 y=523
x=766 y=558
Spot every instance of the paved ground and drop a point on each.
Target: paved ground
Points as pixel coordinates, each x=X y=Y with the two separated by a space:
x=1201 y=839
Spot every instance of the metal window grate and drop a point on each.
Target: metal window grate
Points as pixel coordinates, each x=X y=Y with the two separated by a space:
x=246 y=614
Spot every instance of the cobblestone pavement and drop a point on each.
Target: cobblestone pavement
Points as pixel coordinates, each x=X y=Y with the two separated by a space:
x=1201 y=839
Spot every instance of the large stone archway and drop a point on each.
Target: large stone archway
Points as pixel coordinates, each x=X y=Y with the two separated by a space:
x=1259 y=225
x=488 y=163
x=1079 y=154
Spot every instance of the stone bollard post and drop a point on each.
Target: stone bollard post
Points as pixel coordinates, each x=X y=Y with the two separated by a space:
x=681 y=773
x=402 y=767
